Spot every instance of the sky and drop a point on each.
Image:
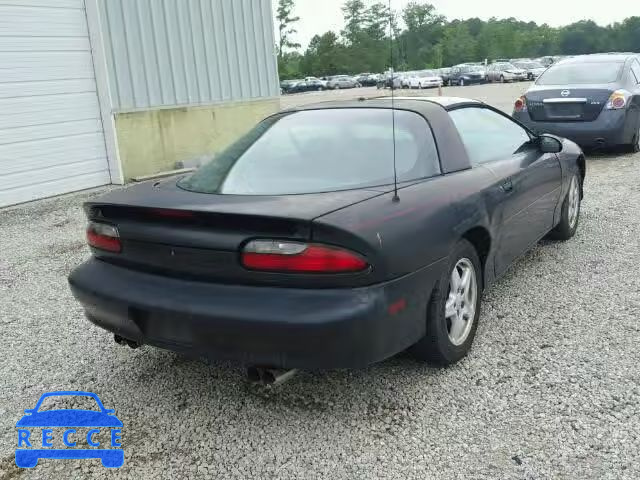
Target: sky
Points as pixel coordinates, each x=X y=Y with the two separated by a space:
x=318 y=16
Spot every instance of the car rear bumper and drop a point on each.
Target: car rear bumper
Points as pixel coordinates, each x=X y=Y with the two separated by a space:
x=474 y=81
x=607 y=130
x=429 y=84
x=257 y=325
x=511 y=77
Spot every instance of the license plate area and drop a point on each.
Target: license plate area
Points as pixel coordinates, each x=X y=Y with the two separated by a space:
x=565 y=111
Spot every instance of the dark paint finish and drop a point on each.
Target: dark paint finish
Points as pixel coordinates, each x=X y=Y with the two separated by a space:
x=178 y=283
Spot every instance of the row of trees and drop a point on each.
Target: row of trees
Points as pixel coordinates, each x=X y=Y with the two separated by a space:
x=418 y=37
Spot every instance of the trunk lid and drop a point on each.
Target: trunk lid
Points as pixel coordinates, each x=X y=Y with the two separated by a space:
x=567 y=104
x=169 y=231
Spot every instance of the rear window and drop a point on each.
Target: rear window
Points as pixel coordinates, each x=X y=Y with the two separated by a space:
x=320 y=151
x=581 y=73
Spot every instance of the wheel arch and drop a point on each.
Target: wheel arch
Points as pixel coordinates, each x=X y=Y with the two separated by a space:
x=582 y=167
x=481 y=240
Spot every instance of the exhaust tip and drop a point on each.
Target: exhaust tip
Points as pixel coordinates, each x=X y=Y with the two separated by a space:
x=269 y=376
x=125 y=341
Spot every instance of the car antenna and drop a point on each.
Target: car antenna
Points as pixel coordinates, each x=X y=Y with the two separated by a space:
x=396 y=198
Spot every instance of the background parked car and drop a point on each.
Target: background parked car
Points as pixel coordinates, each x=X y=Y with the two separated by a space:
x=307 y=86
x=533 y=69
x=505 y=72
x=467 y=75
x=287 y=85
x=549 y=60
x=405 y=77
x=594 y=100
x=445 y=74
x=390 y=81
x=316 y=79
x=425 y=79
x=367 y=79
x=342 y=81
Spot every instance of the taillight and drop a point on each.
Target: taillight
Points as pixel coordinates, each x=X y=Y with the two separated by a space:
x=104 y=237
x=618 y=100
x=521 y=104
x=296 y=257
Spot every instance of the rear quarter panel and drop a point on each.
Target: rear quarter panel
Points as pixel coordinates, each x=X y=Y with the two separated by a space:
x=419 y=230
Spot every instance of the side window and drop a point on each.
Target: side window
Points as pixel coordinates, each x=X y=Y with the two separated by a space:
x=487 y=135
x=635 y=70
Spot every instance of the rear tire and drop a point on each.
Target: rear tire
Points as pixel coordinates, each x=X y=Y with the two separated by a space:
x=635 y=146
x=502 y=79
x=452 y=316
x=570 y=220
x=461 y=82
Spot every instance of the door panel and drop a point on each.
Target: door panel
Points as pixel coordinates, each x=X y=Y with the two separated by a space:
x=529 y=207
x=528 y=181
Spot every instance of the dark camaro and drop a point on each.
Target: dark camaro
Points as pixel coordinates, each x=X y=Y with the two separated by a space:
x=292 y=250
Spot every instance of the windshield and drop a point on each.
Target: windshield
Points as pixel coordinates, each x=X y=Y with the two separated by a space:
x=318 y=151
x=581 y=73
x=427 y=73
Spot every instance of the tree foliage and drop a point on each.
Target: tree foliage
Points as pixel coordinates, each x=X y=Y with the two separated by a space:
x=421 y=38
x=286 y=31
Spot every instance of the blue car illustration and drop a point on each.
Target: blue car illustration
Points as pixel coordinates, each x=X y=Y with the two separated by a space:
x=69 y=418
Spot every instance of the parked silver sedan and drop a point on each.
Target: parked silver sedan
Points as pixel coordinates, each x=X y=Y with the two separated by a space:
x=342 y=81
x=505 y=72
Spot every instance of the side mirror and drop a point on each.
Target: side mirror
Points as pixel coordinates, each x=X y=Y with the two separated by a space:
x=550 y=144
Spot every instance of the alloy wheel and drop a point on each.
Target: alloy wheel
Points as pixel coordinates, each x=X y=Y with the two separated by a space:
x=460 y=308
x=574 y=202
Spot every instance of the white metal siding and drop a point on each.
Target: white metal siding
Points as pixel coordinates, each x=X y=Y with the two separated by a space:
x=51 y=138
x=166 y=53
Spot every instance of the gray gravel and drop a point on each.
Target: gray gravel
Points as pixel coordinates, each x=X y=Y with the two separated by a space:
x=551 y=389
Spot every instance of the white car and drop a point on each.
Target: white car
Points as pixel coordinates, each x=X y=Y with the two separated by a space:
x=405 y=79
x=316 y=79
x=425 y=79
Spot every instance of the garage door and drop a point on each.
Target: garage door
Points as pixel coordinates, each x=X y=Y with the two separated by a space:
x=51 y=138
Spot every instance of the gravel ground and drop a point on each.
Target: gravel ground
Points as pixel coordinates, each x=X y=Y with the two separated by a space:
x=551 y=389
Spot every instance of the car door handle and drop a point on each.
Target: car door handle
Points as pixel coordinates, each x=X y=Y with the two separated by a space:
x=507 y=186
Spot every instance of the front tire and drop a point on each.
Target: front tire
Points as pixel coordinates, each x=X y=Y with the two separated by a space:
x=453 y=310
x=635 y=146
x=568 y=225
x=461 y=82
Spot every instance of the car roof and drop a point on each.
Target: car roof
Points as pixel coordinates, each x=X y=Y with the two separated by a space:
x=421 y=105
x=599 y=58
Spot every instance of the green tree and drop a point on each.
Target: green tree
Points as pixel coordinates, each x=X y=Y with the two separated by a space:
x=286 y=29
x=458 y=44
x=354 y=12
x=425 y=39
x=584 y=37
x=325 y=56
x=423 y=32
